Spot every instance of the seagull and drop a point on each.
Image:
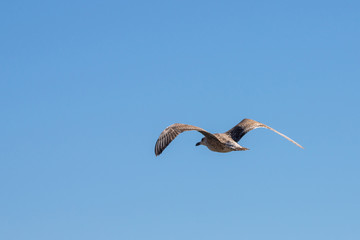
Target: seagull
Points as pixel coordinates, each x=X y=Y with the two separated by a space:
x=217 y=142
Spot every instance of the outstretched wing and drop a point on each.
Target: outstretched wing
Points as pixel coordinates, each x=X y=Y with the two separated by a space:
x=247 y=125
x=171 y=132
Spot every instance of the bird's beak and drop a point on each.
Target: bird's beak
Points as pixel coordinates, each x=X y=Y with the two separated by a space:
x=197 y=144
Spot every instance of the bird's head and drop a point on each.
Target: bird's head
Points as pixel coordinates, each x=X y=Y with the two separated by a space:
x=202 y=142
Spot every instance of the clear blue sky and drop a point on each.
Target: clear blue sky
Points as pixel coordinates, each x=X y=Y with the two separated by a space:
x=86 y=88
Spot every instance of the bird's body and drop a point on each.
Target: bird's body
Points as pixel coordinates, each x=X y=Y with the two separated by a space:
x=225 y=144
x=218 y=142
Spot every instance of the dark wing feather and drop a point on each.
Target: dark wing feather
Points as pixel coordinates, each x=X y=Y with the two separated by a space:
x=247 y=125
x=172 y=131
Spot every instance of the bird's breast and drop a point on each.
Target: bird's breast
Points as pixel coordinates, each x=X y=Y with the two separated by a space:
x=219 y=147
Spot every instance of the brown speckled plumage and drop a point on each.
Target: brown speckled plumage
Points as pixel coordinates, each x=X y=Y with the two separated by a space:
x=218 y=142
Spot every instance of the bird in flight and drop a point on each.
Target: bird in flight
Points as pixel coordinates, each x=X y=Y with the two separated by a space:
x=217 y=142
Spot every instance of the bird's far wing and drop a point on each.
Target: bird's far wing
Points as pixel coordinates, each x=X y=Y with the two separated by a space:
x=171 y=132
x=247 y=125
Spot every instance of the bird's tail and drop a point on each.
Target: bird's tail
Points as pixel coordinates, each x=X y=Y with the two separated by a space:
x=242 y=149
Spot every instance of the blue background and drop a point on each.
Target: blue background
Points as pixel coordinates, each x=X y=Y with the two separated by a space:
x=86 y=87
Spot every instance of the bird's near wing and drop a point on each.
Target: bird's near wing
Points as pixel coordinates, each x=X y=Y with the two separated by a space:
x=247 y=125
x=171 y=132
